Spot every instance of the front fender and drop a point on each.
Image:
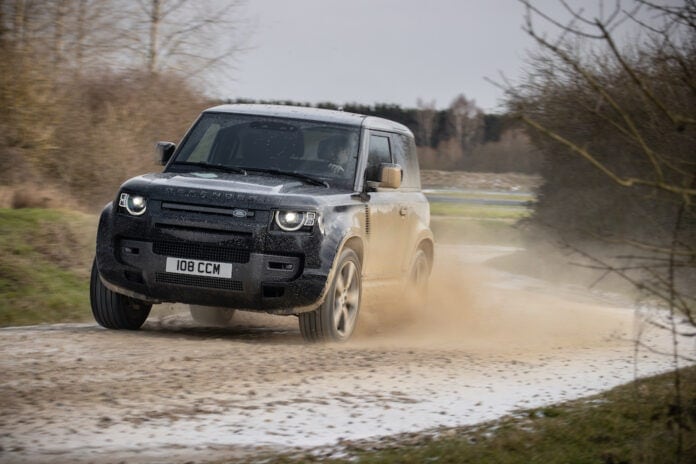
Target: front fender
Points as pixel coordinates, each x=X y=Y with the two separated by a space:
x=104 y=245
x=339 y=226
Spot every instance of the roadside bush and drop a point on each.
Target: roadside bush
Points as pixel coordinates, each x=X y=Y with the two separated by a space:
x=90 y=134
x=107 y=129
x=617 y=128
x=578 y=197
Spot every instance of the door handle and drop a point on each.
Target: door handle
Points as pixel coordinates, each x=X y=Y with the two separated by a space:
x=403 y=210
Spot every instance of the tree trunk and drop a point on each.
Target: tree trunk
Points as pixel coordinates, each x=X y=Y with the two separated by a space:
x=58 y=31
x=19 y=22
x=153 y=52
x=80 y=35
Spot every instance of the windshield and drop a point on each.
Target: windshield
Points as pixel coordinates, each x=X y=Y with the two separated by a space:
x=323 y=151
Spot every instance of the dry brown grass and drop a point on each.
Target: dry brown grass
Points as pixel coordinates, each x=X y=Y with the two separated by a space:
x=35 y=196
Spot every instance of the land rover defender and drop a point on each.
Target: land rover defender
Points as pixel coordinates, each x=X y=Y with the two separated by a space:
x=280 y=209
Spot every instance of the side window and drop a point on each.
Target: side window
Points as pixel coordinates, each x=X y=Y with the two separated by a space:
x=380 y=152
x=404 y=150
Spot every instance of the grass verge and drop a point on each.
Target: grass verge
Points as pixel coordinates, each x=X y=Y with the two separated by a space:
x=477 y=195
x=45 y=256
x=455 y=222
x=635 y=423
x=479 y=211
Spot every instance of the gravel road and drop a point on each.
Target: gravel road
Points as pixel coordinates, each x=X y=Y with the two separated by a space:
x=488 y=344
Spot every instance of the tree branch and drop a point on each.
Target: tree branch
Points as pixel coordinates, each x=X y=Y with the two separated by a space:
x=677 y=120
x=623 y=181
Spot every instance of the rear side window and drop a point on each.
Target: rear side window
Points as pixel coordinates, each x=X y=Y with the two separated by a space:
x=404 y=151
x=380 y=152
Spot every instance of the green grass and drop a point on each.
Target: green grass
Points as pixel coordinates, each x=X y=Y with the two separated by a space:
x=634 y=423
x=479 y=211
x=483 y=195
x=44 y=266
x=476 y=223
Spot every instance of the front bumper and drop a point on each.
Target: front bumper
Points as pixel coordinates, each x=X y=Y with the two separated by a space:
x=275 y=273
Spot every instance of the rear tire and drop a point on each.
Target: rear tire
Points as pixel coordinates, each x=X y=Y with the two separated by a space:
x=210 y=315
x=336 y=318
x=113 y=310
x=417 y=284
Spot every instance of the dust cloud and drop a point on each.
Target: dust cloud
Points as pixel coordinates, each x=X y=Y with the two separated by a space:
x=475 y=307
x=471 y=306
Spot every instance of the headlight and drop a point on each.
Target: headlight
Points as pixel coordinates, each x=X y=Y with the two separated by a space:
x=291 y=221
x=134 y=204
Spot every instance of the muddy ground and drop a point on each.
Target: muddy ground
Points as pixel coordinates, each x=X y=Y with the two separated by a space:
x=489 y=343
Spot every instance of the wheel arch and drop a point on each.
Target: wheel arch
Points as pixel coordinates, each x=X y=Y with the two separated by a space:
x=355 y=243
x=427 y=245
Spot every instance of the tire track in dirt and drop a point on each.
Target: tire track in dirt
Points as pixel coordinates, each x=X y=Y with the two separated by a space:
x=489 y=343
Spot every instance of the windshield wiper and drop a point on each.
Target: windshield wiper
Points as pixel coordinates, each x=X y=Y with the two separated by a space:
x=217 y=167
x=297 y=175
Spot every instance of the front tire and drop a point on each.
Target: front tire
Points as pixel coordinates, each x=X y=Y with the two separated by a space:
x=335 y=319
x=113 y=310
x=209 y=315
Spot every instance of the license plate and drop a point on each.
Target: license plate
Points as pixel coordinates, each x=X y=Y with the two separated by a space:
x=200 y=268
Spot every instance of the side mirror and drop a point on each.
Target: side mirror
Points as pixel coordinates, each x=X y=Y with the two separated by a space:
x=165 y=150
x=390 y=175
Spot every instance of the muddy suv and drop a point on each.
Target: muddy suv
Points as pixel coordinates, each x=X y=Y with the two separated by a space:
x=285 y=210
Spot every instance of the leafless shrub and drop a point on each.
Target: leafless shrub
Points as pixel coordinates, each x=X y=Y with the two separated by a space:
x=617 y=126
x=512 y=153
x=29 y=198
x=87 y=87
x=107 y=128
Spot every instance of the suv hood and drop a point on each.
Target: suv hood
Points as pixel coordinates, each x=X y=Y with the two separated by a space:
x=228 y=189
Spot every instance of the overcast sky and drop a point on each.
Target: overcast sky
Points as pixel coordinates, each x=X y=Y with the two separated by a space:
x=381 y=51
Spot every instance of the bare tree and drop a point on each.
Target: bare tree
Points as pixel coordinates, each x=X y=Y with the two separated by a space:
x=425 y=118
x=186 y=36
x=72 y=76
x=466 y=120
x=97 y=36
x=618 y=128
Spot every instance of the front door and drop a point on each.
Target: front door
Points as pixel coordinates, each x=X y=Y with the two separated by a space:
x=388 y=237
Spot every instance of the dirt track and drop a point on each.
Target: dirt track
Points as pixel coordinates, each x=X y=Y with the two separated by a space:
x=491 y=342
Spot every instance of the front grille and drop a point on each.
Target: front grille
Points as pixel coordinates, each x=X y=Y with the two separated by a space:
x=198 y=281
x=239 y=213
x=201 y=251
x=236 y=236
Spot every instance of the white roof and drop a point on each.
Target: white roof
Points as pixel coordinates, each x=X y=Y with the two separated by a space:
x=313 y=114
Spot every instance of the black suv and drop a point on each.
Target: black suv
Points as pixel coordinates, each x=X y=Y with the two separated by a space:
x=286 y=210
